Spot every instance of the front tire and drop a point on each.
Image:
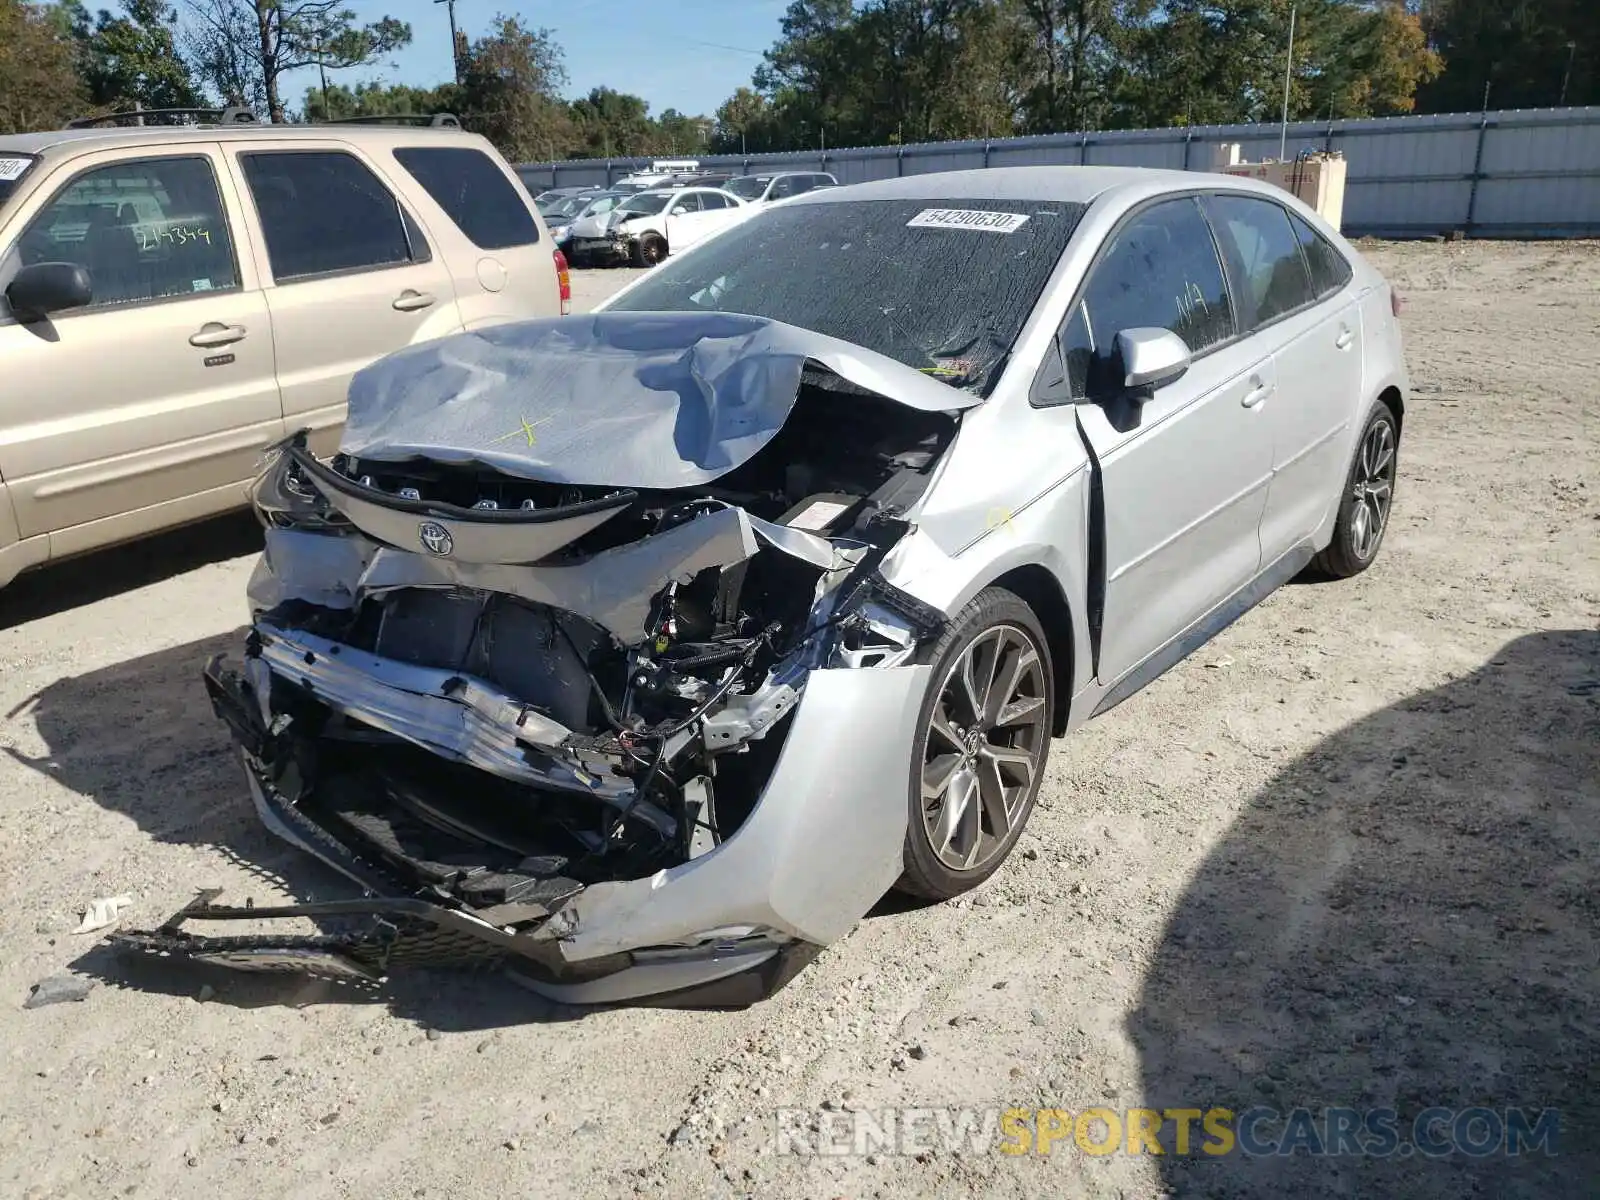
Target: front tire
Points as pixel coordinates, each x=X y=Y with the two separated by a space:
x=649 y=250
x=982 y=740
x=1367 y=499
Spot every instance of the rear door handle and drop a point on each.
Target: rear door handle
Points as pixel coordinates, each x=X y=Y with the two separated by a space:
x=410 y=301
x=214 y=333
x=1258 y=392
x=1344 y=339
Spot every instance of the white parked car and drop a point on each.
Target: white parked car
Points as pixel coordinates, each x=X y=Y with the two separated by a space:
x=644 y=229
x=778 y=185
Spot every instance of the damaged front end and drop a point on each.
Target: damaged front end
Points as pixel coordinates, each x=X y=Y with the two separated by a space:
x=628 y=739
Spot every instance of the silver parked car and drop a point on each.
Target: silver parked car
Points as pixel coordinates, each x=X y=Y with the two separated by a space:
x=642 y=652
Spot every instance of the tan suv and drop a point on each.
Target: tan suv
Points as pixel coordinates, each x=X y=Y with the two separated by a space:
x=177 y=298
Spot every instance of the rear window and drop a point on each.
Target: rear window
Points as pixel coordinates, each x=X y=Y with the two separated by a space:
x=944 y=287
x=12 y=168
x=476 y=194
x=1329 y=270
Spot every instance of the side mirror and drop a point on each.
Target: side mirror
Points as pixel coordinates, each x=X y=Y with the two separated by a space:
x=39 y=290
x=1151 y=357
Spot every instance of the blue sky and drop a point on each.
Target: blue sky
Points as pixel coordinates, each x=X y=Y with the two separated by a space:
x=683 y=54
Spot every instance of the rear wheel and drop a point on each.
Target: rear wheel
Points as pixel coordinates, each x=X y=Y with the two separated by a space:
x=1368 y=497
x=981 y=746
x=649 y=250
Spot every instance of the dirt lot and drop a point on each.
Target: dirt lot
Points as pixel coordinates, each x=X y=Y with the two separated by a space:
x=1346 y=855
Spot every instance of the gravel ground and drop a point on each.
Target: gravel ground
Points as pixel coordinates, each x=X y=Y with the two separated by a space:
x=1346 y=855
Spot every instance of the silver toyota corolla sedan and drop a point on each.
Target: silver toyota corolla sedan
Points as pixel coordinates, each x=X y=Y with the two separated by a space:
x=641 y=653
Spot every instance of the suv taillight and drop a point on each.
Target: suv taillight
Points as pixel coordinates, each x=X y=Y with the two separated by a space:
x=564 y=278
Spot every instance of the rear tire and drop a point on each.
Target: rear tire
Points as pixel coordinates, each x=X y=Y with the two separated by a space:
x=982 y=741
x=1367 y=499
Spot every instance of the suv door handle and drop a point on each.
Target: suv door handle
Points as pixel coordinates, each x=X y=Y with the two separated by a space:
x=411 y=301
x=1258 y=392
x=1344 y=339
x=214 y=333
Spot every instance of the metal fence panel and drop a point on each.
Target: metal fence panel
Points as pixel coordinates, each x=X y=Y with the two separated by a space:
x=1532 y=172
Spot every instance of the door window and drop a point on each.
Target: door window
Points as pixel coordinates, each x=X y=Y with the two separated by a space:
x=1263 y=257
x=478 y=197
x=1159 y=271
x=144 y=229
x=711 y=201
x=1329 y=270
x=686 y=204
x=325 y=212
x=784 y=187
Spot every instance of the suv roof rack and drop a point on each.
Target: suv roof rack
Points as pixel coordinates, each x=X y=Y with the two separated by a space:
x=232 y=115
x=439 y=120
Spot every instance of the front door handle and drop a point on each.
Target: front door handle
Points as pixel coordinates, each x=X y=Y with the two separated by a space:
x=411 y=301
x=214 y=333
x=1344 y=339
x=1258 y=392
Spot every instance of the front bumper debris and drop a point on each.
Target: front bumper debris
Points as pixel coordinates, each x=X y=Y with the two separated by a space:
x=619 y=247
x=726 y=929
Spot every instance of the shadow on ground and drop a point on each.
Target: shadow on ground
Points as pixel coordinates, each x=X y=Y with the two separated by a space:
x=140 y=739
x=88 y=578
x=1405 y=918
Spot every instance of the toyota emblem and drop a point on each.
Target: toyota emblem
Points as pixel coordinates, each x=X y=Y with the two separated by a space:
x=436 y=538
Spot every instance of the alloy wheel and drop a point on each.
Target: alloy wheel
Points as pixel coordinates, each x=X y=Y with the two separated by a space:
x=985 y=746
x=1372 y=489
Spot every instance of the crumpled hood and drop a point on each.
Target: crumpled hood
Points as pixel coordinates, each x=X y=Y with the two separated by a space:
x=593 y=226
x=624 y=399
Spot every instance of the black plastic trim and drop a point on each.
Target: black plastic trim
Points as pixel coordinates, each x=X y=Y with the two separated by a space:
x=326 y=477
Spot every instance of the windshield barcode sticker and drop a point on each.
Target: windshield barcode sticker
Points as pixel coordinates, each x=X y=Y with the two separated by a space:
x=967 y=218
x=12 y=168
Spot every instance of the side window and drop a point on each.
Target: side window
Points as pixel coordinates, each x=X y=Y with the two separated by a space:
x=783 y=188
x=686 y=204
x=1159 y=271
x=1329 y=269
x=1263 y=257
x=144 y=229
x=478 y=197
x=710 y=201
x=324 y=212
x=1077 y=351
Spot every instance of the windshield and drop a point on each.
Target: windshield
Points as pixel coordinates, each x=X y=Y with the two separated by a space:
x=595 y=205
x=942 y=287
x=638 y=206
x=571 y=206
x=12 y=168
x=748 y=187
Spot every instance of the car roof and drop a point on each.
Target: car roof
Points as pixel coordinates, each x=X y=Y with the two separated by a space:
x=1068 y=185
x=84 y=140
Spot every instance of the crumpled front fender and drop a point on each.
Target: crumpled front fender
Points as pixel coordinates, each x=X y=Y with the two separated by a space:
x=824 y=843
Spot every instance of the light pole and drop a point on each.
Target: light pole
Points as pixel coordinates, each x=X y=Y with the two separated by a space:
x=455 y=56
x=1567 y=77
x=1288 y=68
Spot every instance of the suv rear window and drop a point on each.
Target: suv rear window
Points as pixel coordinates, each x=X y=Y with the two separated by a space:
x=324 y=212
x=946 y=295
x=475 y=193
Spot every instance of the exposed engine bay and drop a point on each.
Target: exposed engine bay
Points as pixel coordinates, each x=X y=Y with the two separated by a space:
x=480 y=684
x=633 y=743
x=484 y=691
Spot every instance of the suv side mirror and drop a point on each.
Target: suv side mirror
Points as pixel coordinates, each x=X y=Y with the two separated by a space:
x=1151 y=357
x=39 y=290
